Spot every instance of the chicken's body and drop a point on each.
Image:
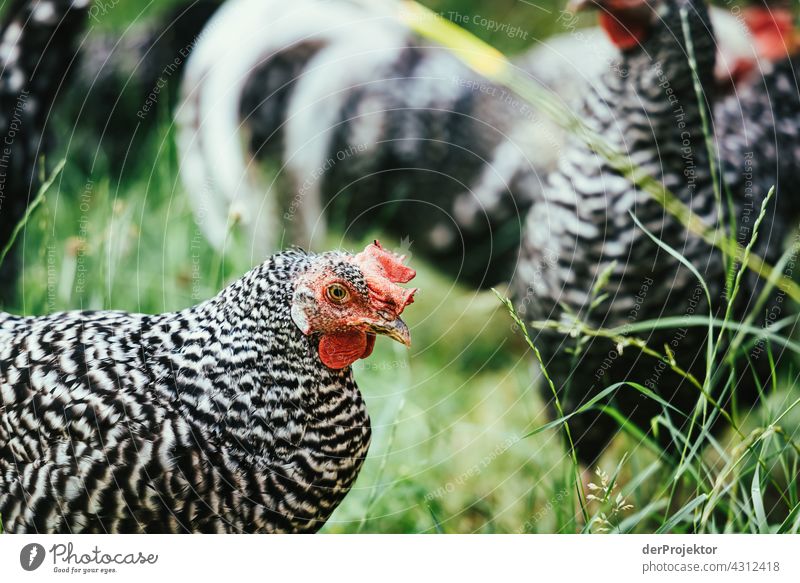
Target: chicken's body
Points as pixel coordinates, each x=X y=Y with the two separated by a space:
x=581 y=230
x=218 y=418
x=758 y=134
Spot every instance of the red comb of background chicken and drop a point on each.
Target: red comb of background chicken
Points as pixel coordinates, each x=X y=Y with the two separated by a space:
x=625 y=33
x=773 y=30
x=383 y=270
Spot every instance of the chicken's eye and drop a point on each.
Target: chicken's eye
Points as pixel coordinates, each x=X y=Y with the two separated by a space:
x=337 y=293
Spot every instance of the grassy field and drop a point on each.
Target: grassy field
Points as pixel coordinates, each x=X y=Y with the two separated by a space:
x=452 y=417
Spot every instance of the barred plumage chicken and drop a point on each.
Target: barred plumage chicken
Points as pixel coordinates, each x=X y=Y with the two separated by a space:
x=317 y=111
x=581 y=230
x=237 y=415
x=38 y=44
x=759 y=126
x=126 y=82
x=297 y=115
x=759 y=130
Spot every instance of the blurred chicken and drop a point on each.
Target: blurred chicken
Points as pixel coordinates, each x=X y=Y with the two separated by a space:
x=585 y=259
x=748 y=43
x=335 y=112
x=38 y=43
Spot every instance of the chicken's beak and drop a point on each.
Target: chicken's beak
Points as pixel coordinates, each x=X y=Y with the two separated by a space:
x=576 y=6
x=394 y=329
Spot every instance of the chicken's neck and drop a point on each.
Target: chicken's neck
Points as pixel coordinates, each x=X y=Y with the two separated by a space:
x=646 y=108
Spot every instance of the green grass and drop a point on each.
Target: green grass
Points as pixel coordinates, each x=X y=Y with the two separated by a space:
x=448 y=414
x=459 y=445
x=462 y=442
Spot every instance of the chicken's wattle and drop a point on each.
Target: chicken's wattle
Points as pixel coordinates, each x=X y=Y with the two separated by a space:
x=340 y=350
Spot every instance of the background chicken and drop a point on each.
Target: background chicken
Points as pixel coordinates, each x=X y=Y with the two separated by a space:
x=237 y=415
x=403 y=136
x=582 y=230
x=38 y=43
x=747 y=40
x=246 y=92
x=412 y=140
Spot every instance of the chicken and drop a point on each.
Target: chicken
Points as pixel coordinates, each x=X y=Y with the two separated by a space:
x=314 y=113
x=581 y=231
x=323 y=112
x=38 y=43
x=126 y=82
x=758 y=128
x=746 y=43
x=237 y=415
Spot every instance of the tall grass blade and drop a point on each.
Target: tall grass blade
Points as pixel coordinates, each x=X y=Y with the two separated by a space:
x=758 y=501
x=34 y=204
x=682 y=515
x=573 y=456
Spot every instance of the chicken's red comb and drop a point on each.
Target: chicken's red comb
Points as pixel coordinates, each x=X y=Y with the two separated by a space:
x=773 y=30
x=390 y=263
x=384 y=270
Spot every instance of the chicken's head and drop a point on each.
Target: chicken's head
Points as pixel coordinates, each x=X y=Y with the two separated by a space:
x=627 y=22
x=346 y=300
